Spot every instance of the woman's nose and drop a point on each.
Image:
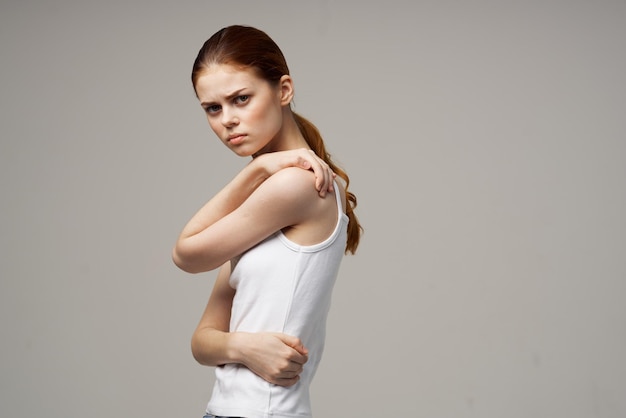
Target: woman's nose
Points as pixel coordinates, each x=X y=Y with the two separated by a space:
x=229 y=118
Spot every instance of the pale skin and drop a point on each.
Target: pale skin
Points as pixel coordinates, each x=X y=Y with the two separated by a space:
x=273 y=192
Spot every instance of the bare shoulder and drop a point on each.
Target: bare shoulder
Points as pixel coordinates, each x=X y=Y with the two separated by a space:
x=300 y=183
x=294 y=174
x=293 y=181
x=315 y=217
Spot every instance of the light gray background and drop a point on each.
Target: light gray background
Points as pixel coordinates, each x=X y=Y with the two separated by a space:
x=486 y=141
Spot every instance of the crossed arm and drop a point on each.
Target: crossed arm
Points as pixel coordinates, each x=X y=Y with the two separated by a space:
x=251 y=208
x=277 y=358
x=231 y=222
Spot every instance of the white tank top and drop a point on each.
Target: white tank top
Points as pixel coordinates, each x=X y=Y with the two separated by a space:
x=280 y=287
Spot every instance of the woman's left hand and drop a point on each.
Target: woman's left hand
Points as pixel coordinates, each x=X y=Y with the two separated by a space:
x=303 y=158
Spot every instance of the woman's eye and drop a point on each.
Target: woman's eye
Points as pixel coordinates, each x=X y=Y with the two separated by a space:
x=213 y=108
x=242 y=99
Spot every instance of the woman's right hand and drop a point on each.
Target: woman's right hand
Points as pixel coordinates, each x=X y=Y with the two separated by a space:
x=306 y=159
x=275 y=357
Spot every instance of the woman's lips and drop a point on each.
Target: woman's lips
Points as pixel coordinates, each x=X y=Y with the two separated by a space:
x=236 y=139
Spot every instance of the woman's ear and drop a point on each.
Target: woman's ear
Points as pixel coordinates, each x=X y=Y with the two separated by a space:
x=286 y=90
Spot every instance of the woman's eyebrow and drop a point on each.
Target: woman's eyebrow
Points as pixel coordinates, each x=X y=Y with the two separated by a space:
x=227 y=97
x=235 y=93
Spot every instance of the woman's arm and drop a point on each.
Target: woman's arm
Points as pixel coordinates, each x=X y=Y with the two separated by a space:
x=233 y=221
x=275 y=357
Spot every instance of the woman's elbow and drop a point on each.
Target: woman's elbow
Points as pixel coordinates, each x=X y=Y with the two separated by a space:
x=192 y=260
x=199 y=352
x=183 y=261
x=195 y=351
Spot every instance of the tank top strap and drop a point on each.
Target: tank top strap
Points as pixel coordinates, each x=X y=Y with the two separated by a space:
x=338 y=197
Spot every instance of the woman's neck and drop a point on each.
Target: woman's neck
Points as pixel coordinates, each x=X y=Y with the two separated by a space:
x=289 y=137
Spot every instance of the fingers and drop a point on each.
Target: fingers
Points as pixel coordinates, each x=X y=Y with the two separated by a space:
x=287 y=381
x=295 y=343
x=306 y=159
x=324 y=175
x=278 y=358
x=289 y=375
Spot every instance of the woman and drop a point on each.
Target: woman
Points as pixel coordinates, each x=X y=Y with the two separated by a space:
x=277 y=232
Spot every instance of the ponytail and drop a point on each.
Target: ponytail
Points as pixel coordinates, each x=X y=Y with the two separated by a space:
x=314 y=140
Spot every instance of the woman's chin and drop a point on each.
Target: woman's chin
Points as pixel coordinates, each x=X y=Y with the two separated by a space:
x=243 y=152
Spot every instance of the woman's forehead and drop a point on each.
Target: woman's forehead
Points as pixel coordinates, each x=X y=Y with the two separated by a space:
x=222 y=80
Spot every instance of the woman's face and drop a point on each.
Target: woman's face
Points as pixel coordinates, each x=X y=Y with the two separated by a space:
x=243 y=110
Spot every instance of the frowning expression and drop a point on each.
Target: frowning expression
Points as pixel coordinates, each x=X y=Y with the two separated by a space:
x=244 y=110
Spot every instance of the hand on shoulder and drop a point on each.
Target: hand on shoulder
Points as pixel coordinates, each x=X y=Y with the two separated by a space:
x=304 y=159
x=290 y=189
